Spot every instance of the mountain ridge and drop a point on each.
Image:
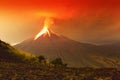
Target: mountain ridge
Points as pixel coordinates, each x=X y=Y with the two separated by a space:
x=74 y=53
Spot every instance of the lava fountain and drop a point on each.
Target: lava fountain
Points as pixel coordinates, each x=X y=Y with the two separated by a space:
x=45 y=30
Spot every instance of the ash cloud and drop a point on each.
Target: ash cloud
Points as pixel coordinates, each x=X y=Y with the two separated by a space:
x=82 y=20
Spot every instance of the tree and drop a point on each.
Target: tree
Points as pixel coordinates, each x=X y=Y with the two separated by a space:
x=42 y=59
x=58 y=62
x=33 y=60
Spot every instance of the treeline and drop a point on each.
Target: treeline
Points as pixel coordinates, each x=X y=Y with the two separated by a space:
x=41 y=60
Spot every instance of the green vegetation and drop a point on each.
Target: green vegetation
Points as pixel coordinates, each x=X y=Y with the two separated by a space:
x=42 y=59
x=10 y=54
x=58 y=62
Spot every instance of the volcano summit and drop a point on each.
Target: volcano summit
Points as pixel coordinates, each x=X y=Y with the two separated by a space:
x=76 y=54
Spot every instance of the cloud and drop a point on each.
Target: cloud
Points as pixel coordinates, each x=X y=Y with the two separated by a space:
x=82 y=20
x=58 y=8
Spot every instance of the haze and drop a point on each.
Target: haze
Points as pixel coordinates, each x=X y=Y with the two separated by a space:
x=92 y=21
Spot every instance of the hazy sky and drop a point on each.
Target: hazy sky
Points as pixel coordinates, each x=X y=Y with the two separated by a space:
x=94 y=21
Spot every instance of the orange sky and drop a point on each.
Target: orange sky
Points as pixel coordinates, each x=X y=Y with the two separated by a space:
x=93 y=21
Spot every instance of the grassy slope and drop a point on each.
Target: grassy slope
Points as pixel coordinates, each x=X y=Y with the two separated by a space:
x=8 y=53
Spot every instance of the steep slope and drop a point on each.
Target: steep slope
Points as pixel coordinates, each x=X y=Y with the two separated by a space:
x=74 y=53
x=10 y=54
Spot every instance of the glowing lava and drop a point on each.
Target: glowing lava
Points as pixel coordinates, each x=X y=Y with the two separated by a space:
x=45 y=30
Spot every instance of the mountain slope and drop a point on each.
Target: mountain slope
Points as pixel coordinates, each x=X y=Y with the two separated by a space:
x=113 y=47
x=10 y=54
x=74 y=53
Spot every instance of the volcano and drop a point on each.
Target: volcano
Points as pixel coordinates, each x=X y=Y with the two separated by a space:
x=75 y=54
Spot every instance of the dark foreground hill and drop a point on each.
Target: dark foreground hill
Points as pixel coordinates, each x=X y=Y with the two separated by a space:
x=10 y=54
x=74 y=53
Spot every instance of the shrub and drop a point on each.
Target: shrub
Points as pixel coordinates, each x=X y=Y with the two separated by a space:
x=58 y=62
